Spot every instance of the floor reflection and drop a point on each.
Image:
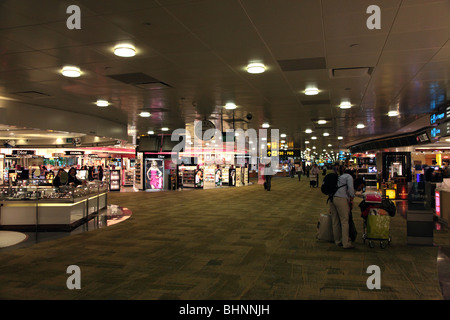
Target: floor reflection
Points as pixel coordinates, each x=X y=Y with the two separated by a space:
x=113 y=214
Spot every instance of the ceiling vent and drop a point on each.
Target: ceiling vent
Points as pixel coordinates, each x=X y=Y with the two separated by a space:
x=140 y=80
x=351 y=72
x=303 y=64
x=31 y=94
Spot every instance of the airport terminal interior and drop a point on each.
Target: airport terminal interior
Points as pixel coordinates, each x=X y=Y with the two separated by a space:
x=184 y=149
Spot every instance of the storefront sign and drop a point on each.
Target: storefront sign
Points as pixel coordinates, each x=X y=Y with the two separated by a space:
x=93 y=155
x=74 y=153
x=422 y=138
x=24 y=152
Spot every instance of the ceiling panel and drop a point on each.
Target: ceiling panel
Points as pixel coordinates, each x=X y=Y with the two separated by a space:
x=201 y=48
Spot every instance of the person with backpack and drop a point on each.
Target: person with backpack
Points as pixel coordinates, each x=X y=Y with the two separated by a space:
x=340 y=191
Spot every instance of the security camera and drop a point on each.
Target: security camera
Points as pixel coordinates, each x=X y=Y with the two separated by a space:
x=249 y=116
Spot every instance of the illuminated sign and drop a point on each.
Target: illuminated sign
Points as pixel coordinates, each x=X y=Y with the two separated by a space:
x=435 y=117
x=24 y=152
x=283 y=153
x=74 y=153
x=438 y=203
x=435 y=133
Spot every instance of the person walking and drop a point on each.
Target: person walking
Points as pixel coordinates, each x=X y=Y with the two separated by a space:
x=268 y=175
x=299 y=172
x=315 y=174
x=340 y=206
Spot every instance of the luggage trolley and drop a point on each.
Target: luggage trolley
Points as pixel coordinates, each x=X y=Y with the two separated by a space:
x=376 y=217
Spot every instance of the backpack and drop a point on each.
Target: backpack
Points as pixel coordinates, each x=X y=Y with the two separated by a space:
x=330 y=185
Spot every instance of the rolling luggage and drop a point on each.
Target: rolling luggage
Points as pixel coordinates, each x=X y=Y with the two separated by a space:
x=325 y=228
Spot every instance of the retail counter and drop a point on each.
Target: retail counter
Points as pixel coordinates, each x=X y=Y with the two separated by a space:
x=49 y=208
x=442 y=204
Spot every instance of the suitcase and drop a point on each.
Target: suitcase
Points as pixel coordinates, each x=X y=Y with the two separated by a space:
x=325 y=228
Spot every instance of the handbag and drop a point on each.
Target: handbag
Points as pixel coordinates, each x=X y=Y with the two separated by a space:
x=352 y=228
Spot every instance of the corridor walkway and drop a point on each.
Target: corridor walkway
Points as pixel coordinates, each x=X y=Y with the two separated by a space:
x=228 y=243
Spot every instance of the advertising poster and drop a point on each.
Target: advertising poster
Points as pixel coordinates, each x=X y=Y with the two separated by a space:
x=154 y=174
x=218 y=177
x=232 y=178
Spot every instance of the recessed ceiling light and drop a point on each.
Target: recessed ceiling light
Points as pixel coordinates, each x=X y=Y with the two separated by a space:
x=314 y=147
x=308 y=131
x=125 y=50
x=322 y=122
x=345 y=105
x=448 y=140
x=151 y=132
x=165 y=129
x=256 y=68
x=393 y=113
x=145 y=114
x=311 y=91
x=360 y=126
x=340 y=138
x=306 y=142
x=102 y=103
x=313 y=138
x=71 y=71
x=230 y=106
x=266 y=125
x=330 y=145
x=326 y=134
x=283 y=135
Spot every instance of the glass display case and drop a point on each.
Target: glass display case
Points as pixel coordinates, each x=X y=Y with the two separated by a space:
x=32 y=206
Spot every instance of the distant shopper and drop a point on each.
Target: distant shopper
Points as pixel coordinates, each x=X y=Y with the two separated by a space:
x=61 y=178
x=268 y=176
x=292 y=171
x=340 y=206
x=315 y=174
x=73 y=180
x=300 y=172
x=100 y=173
x=91 y=174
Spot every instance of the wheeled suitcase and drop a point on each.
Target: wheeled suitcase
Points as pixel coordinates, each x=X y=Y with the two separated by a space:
x=325 y=228
x=377 y=227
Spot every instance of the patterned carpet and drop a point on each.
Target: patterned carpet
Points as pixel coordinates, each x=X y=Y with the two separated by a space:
x=228 y=243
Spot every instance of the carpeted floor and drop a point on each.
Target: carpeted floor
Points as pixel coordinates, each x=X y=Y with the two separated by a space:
x=228 y=243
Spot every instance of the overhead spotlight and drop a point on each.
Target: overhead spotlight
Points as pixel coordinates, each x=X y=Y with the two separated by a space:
x=145 y=114
x=150 y=132
x=360 y=126
x=340 y=138
x=314 y=138
x=71 y=71
x=308 y=131
x=165 y=129
x=345 y=105
x=306 y=142
x=326 y=134
x=393 y=113
x=230 y=106
x=283 y=135
x=330 y=145
x=102 y=103
x=265 y=125
x=322 y=122
x=125 y=50
x=256 y=68
x=311 y=91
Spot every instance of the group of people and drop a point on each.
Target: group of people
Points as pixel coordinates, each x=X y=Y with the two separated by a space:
x=70 y=178
x=340 y=204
